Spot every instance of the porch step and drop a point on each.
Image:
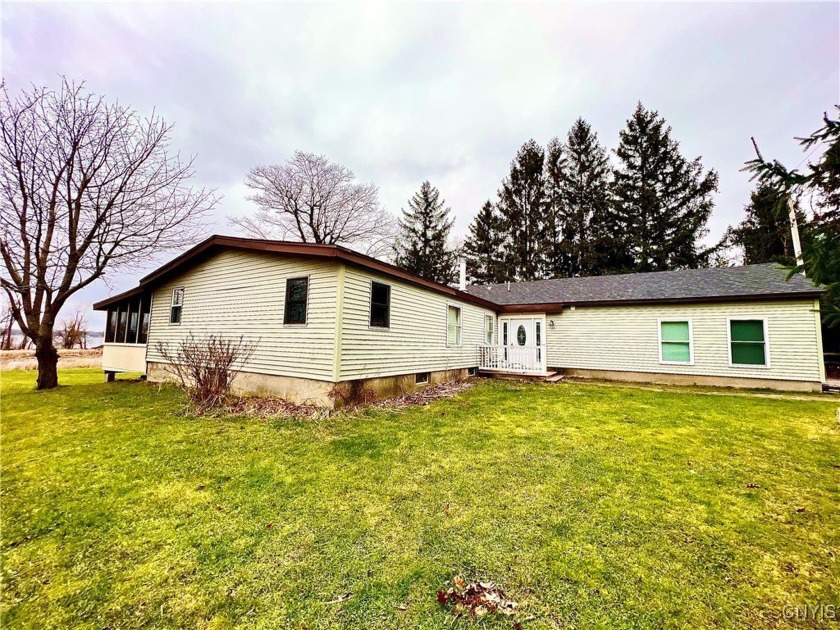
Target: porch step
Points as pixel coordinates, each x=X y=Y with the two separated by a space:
x=554 y=377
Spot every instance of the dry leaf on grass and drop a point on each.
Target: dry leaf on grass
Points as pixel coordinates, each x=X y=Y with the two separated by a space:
x=476 y=598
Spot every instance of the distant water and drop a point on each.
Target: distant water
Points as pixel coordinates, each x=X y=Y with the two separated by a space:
x=94 y=338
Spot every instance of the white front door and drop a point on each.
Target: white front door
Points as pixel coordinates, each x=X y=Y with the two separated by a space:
x=521 y=331
x=522 y=338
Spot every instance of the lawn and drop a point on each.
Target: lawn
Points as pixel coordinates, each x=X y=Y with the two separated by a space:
x=593 y=506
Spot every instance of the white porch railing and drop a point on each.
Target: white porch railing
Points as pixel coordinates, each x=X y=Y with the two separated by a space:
x=514 y=359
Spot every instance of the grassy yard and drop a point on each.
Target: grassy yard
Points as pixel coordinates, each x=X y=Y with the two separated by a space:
x=593 y=506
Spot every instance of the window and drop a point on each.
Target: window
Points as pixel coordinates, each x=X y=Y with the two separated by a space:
x=111 y=325
x=521 y=336
x=488 y=330
x=748 y=342
x=504 y=333
x=421 y=378
x=133 y=319
x=380 y=305
x=675 y=342
x=453 y=326
x=297 y=292
x=538 y=329
x=176 y=306
x=143 y=334
x=122 y=320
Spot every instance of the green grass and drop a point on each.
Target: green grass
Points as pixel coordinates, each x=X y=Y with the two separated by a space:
x=593 y=506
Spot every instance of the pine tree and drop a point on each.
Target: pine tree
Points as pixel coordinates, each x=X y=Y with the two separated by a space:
x=522 y=208
x=663 y=201
x=764 y=235
x=483 y=247
x=555 y=245
x=588 y=243
x=421 y=247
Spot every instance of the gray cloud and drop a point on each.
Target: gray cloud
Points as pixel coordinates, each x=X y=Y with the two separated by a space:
x=400 y=93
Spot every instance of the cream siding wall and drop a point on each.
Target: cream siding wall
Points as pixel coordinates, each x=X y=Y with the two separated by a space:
x=416 y=338
x=124 y=357
x=242 y=293
x=626 y=339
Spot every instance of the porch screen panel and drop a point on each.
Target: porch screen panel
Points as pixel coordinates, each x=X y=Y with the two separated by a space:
x=122 y=321
x=143 y=333
x=133 y=319
x=110 y=325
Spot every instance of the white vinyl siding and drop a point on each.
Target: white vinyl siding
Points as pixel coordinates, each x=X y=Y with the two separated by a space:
x=243 y=293
x=626 y=338
x=416 y=340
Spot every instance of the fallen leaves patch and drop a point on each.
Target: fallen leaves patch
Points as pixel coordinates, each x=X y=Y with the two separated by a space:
x=476 y=599
x=426 y=395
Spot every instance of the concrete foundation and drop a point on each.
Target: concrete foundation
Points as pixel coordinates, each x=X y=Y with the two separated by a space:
x=686 y=379
x=321 y=393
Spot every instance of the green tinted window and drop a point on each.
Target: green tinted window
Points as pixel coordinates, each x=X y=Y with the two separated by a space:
x=674 y=331
x=747 y=330
x=748 y=343
x=678 y=352
x=676 y=342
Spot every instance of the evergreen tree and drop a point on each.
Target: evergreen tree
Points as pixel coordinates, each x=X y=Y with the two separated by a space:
x=586 y=212
x=483 y=247
x=522 y=208
x=421 y=247
x=555 y=244
x=663 y=201
x=764 y=235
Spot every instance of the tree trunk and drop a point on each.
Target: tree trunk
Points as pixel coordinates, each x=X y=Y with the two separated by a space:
x=47 y=357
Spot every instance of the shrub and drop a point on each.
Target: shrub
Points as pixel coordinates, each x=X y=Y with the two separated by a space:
x=206 y=366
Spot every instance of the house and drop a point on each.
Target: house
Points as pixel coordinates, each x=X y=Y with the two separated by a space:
x=326 y=320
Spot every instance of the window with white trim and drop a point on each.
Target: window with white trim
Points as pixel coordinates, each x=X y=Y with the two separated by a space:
x=488 y=329
x=297 y=298
x=176 y=305
x=675 y=342
x=380 y=305
x=453 y=325
x=748 y=342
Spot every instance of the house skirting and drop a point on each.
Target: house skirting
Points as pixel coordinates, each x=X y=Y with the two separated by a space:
x=690 y=379
x=323 y=393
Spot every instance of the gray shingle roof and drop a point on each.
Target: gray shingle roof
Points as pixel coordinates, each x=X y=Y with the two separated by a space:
x=758 y=281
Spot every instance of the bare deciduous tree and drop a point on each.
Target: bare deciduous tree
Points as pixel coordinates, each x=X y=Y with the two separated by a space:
x=7 y=323
x=73 y=331
x=206 y=366
x=313 y=200
x=85 y=186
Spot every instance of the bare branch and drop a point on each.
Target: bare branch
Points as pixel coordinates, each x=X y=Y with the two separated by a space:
x=313 y=200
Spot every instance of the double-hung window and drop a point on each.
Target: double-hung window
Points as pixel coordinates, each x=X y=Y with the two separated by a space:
x=748 y=342
x=488 y=329
x=297 y=293
x=380 y=305
x=675 y=344
x=453 y=326
x=176 y=306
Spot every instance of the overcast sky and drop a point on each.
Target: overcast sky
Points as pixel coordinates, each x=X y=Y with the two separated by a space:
x=447 y=93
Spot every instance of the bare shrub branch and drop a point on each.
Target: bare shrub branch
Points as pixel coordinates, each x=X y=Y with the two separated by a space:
x=206 y=366
x=313 y=200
